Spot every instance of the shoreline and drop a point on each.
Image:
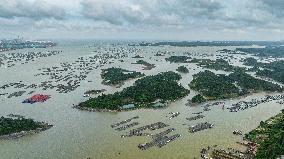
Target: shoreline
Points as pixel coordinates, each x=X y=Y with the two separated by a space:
x=25 y=133
x=232 y=98
x=120 y=110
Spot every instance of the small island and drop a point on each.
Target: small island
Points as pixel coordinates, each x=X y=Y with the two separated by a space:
x=147 y=66
x=16 y=126
x=178 y=59
x=273 y=70
x=146 y=92
x=219 y=86
x=182 y=69
x=214 y=86
x=198 y=99
x=269 y=137
x=218 y=64
x=250 y=61
x=116 y=76
x=277 y=75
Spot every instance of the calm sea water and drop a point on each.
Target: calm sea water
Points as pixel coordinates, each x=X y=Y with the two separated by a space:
x=80 y=134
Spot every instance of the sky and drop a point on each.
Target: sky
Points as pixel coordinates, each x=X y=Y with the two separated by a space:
x=143 y=19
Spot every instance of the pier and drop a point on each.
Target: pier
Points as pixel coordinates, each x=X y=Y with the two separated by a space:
x=151 y=127
x=123 y=122
x=195 y=117
x=200 y=127
x=127 y=126
x=242 y=105
x=161 y=139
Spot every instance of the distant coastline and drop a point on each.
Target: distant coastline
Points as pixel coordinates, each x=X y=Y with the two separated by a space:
x=14 y=44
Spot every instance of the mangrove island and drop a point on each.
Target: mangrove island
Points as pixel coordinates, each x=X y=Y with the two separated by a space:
x=146 y=91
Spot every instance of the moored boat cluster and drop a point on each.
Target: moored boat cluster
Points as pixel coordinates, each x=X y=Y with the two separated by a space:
x=242 y=105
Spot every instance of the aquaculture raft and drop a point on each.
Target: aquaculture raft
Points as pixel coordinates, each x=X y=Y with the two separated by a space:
x=37 y=98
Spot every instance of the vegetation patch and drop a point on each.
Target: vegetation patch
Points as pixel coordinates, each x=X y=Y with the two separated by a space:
x=249 y=83
x=277 y=75
x=218 y=86
x=17 y=126
x=250 y=61
x=182 y=69
x=273 y=70
x=274 y=51
x=198 y=99
x=114 y=76
x=269 y=136
x=147 y=66
x=214 y=86
x=178 y=59
x=162 y=87
x=218 y=64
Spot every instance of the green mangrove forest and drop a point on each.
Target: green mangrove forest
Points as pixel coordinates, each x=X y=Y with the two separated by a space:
x=15 y=125
x=198 y=99
x=147 y=66
x=218 y=64
x=161 y=87
x=182 y=69
x=114 y=76
x=273 y=70
x=178 y=59
x=269 y=137
x=219 y=86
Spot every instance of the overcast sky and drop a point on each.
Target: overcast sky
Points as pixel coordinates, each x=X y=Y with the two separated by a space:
x=143 y=19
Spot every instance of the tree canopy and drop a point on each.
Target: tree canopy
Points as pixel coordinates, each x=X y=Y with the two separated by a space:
x=269 y=136
x=220 y=86
x=162 y=86
x=114 y=76
x=10 y=125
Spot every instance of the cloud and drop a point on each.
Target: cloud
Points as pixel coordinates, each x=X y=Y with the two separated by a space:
x=274 y=7
x=36 y=10
x=114 y=12
x=150 y=12
x=187 y=14
x=159 y=18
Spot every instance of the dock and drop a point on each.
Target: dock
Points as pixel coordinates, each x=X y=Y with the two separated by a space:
x=200 y=127
x=195 y=117
x=139 y=131
x=124 y=122
x=161 y=139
